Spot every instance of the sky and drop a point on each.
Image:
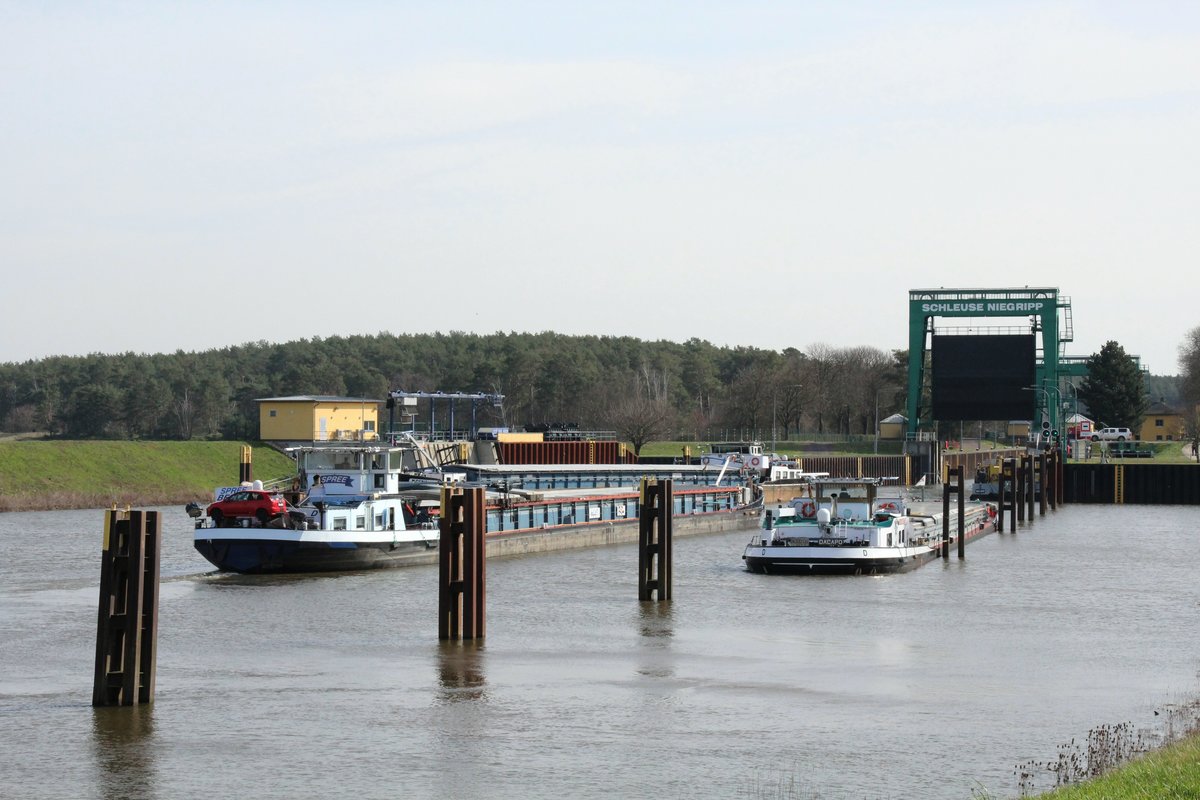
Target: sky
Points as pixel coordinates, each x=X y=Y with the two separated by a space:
x=188 y=176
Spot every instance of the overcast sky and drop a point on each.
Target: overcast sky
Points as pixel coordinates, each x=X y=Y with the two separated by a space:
x=768 y=174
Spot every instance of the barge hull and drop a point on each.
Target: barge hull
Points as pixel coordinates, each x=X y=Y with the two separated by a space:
x=773 y=560
x=257 y=556
x=264 y=555
x=771 y=565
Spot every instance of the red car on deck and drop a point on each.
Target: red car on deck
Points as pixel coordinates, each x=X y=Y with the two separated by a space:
x=256 y=504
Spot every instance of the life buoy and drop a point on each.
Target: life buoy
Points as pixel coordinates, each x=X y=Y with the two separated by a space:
x=807 y=508
x=754 y=461
x=888 y=507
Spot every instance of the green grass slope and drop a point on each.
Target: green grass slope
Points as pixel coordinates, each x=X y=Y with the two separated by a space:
x=1172 y=773
x=50 y=474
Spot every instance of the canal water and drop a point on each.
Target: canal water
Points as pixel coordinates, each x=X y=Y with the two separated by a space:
x=932 y=684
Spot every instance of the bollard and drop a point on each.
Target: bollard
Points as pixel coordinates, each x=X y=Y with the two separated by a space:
x=654 y=540
x=127 y=624
x=245 y=473
x=462 y=564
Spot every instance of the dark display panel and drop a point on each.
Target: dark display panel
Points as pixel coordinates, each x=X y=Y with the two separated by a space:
x=983 y=377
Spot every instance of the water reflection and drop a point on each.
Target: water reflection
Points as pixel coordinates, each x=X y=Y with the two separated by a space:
x=123 y=742
x=657 y=628
x=461 y=671
x=219 y=580
x=656 y=620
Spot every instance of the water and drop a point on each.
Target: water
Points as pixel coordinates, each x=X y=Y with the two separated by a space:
x=929 y=684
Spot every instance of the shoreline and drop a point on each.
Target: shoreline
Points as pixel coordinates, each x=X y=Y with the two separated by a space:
x=79 y=501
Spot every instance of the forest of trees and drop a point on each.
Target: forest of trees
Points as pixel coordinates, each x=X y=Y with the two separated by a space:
x=644 y=390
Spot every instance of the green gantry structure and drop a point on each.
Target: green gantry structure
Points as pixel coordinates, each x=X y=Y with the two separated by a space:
x=1046 y=312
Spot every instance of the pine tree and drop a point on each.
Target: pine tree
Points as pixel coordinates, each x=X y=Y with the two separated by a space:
x=1113 y=389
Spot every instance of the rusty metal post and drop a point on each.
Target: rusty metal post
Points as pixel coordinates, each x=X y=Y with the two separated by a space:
x=1014 y=475
x=450 y=564
x=1008 y=494
x=474 y=563
x=1049 y=480
x=1047 y=483
x=1056 y=459
x=1060 y=479
x=462 y=565
x=1031 y=489
x=946 y=489
x=1019 y=489
x=127 y=623
x=655 y=539
x=1001 y=495
x=954 y=485
x=962 y=516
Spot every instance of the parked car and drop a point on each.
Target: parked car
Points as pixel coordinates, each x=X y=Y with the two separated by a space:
x=247 y=504
x=1112 y=435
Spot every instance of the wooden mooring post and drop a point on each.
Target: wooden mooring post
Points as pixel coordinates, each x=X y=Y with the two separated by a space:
x=462 y=565
x=954 y=485
x=654 y=540
x=127 y=624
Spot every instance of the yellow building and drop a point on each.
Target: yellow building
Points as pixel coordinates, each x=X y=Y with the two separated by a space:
x=1018 y=429
x=893 y=427
x=1162 y=424
x=317 y=418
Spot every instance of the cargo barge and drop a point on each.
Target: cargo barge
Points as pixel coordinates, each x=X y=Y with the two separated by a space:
x=362 y=506
x=845 y=527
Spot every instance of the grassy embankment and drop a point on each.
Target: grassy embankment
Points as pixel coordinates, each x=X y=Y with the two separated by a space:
x=1172 y=773
x=51 y=474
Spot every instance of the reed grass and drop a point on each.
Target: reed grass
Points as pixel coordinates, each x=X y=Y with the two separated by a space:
x=1172 y=773
x=1118 y=762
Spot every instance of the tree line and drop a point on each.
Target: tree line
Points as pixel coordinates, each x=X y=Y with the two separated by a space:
x=646 y=390
x=643 y=390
